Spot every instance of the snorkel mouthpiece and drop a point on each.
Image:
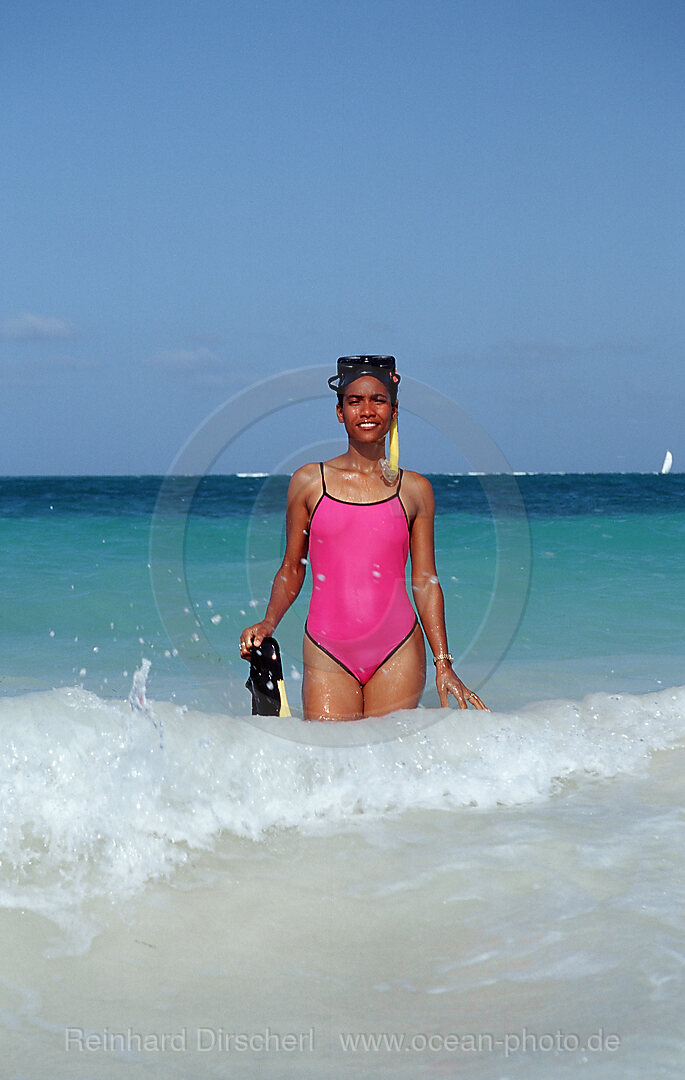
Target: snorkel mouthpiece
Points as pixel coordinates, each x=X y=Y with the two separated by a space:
x=383 y=369
x=390 y=467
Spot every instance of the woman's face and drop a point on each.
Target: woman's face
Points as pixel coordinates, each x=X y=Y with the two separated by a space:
x=367 y=410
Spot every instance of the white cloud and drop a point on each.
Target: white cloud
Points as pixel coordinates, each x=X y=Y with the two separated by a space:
x=28 y=327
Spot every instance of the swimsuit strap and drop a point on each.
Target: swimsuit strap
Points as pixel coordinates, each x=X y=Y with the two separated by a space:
x=397 y=493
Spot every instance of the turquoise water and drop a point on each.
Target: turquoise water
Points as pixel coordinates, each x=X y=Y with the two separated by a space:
x=171 y=867
x=603 y=577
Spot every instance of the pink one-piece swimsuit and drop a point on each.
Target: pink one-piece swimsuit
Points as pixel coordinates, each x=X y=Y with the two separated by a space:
x=359 y=613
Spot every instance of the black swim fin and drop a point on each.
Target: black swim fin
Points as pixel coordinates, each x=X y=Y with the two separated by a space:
x=266 y=680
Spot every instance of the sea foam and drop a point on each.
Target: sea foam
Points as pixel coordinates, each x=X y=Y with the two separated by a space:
x=94 y=807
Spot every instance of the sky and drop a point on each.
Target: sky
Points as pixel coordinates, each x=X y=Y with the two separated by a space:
x=199 y=196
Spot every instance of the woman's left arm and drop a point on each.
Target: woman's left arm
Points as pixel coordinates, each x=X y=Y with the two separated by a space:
x=428 y=595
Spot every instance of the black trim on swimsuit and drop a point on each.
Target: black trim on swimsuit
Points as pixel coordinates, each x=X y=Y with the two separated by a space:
x=348 y=502
x=404 y=509
x=384 y=661
x=311 y=516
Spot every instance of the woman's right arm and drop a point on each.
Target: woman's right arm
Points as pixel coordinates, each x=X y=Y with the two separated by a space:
x=290 y=575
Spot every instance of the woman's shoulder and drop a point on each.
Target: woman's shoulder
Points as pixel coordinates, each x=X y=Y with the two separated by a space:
x=417 y=489
x=416 y=482
x=307 y=472
x=305 y=482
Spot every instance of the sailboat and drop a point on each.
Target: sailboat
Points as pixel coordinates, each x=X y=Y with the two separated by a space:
x=668 y=462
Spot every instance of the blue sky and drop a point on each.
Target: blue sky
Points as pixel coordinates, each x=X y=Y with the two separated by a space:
x=199 y=195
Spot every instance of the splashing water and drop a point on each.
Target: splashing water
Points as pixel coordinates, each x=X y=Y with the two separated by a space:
x=137 y=698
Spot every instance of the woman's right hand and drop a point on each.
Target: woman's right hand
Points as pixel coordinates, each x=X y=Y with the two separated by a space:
x=253 y=636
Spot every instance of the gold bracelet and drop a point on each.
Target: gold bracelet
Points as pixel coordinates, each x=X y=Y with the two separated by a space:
x=443 y=656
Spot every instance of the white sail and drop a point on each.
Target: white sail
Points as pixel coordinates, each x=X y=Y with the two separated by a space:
x=668 y=462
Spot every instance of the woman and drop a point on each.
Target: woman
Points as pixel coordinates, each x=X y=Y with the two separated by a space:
x=357 y=518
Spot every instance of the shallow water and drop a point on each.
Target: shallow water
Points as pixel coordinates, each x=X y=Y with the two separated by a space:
x=186 y=892
x=491 y=875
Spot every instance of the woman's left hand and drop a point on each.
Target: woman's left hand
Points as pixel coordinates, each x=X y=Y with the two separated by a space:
x=449 y=683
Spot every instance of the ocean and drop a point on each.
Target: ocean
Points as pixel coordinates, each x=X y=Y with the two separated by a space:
x=187 y=891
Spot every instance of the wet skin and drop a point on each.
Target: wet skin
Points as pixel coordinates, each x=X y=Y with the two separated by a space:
x=328 y=691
